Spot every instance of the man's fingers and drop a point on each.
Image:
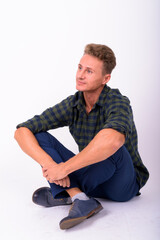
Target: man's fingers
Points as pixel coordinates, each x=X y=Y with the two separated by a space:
x=60 y=182
x=56 y=182
x=67 y=182
x=45 y=174
x=48 y=179
x=44 y=169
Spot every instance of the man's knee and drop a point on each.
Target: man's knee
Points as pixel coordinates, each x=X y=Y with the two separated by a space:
x=121 y=193
x=42 y=137
x=119 y=198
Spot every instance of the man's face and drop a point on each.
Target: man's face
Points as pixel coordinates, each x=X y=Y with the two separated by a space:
x=89 y=75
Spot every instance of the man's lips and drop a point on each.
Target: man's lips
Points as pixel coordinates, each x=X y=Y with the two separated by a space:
x=80 y=82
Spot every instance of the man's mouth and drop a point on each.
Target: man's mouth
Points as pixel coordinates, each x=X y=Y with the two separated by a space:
x=80 y=82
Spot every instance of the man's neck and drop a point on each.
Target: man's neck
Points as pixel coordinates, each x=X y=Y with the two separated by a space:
x=91 y=98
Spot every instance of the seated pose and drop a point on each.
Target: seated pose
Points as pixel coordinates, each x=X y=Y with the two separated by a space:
x=100 y=120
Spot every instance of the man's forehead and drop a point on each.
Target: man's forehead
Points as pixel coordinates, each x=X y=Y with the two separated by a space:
x=90 y=61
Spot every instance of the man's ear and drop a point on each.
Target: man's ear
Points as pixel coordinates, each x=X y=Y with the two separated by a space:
x=106 y=79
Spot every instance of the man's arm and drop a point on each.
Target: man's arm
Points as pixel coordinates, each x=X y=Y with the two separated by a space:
x=30 y=146
x=104 y=144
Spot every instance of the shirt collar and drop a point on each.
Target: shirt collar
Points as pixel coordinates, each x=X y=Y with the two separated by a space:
x=102 y=96
x=80 y=103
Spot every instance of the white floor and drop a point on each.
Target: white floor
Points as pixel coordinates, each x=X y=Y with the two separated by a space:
x=137 y=219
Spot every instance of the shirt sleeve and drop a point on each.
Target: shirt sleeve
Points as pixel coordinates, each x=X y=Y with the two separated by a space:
x=54 y=117
x=119 y=117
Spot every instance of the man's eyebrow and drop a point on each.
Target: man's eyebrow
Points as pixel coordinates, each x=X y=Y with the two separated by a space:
x=86 y=67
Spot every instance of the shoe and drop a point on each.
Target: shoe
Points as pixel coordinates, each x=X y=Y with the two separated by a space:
x=79 y=211
x=43 y=197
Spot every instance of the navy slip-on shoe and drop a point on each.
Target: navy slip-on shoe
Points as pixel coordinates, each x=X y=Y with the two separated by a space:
x=79 y=211
x=44 y=197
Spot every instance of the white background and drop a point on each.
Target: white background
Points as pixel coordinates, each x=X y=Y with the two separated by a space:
x=41 y=43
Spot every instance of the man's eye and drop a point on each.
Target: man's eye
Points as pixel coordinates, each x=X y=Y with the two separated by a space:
x=89 y=71
x=79 y=67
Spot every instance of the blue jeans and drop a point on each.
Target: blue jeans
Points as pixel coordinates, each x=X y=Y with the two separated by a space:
x=113 y=178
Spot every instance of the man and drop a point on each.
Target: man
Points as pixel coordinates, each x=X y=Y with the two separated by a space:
x=100 y=120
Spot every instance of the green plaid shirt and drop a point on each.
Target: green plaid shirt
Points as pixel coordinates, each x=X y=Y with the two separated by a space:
x=112 y=110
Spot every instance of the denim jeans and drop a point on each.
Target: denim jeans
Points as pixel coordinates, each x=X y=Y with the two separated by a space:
x=113 y=178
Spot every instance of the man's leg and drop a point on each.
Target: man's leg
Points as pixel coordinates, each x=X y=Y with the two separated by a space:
x=59 y=154
x=82 y=207
x=113 y=178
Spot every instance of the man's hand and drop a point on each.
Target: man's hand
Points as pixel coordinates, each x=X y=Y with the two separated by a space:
x=55 y=173
x=65 y=182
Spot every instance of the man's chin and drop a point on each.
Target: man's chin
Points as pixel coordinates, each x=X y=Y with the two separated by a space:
x=80 y=88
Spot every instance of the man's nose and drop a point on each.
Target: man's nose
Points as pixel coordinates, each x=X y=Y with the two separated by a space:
x=82 y=74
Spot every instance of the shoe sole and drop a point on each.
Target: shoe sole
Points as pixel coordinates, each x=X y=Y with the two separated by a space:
x=58 y=203
x=66 y=224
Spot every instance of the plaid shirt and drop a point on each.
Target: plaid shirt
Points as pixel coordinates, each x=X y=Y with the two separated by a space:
x=112 y=110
